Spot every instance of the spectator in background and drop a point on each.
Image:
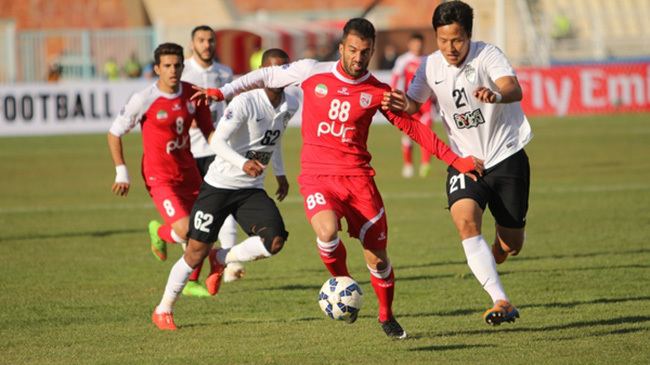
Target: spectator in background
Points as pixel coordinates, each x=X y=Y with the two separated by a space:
x=256 y=58
x=388 y=57
x=111 y=69
x=54 y=72
x=132 y=67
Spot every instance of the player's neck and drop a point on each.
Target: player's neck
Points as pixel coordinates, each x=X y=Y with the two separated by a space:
x=341 y=70
x=275 y=98
x=166 y=88
x=203 y=64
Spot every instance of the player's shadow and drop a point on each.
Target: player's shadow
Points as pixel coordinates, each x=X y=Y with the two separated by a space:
x=448 y=347
x=595 y=324
x=105 y=233
x=533 y=258
x=570 y=304
x=574 y=269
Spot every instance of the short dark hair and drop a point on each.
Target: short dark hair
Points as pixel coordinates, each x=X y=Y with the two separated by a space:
x=417 y=36
x=201 y=28
x=453 y=12
x=167 y=49
x=274 y=52
x=360 y=27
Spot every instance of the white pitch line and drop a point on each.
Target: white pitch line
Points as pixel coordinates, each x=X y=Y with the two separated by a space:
x=298 y=200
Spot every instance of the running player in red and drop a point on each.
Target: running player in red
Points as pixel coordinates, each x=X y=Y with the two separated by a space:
x=165 y=112
x=402 y=74
x=336 y=180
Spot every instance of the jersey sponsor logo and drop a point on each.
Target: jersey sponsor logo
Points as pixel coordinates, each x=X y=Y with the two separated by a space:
x=469 y=119
x=161 y=115
x=178 y=143
x=190 y=107
x=320 y=90
x=261 y=156
x=365 y=99
x=343 y=91
x=331 y=128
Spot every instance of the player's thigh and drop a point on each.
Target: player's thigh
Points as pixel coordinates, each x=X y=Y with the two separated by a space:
x=320 y=194
x=209 y=212
x=258 y=215
x=467 y=200
x=365 y=213
x=172 y=202
x=510 y=185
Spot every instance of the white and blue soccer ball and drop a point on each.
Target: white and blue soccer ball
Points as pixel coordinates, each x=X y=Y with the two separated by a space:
x=341 y=298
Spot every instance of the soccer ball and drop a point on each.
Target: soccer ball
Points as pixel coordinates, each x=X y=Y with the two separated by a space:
x=340 y=298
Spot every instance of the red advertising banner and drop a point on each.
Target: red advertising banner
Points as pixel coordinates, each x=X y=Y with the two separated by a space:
x=585 y=89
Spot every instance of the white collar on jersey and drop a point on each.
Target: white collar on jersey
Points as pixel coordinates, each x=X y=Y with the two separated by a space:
x=168 y=95
x=343 y=78
x=200 y=68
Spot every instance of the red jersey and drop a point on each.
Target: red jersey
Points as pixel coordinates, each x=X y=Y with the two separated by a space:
x=404 y=70
x=336 y=114
x=165 y=120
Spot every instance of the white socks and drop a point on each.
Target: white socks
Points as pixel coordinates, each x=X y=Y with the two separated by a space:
x=328 y=247
x=380 y=274
x=481 y=262
x=178 y=276
x=250 y=249
x=228 y=232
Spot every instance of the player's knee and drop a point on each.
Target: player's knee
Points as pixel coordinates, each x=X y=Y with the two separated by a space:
x=467 y=227
x=273 y=238
x=195 y=253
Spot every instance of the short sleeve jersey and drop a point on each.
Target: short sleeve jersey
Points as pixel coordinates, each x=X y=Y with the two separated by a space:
x=216 y=75
x=252 y=128
x=165 y=120
x=405 y=67
x=491 y=132
x=336 y=114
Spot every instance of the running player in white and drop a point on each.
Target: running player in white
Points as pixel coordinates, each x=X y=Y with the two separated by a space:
x=479 y=95
x=202 y=70
x=247 y=138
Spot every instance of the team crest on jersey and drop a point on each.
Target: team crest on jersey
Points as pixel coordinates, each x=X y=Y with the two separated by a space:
x=470 y=74
x=365 y=99
x=320 y=90
x=190 y=107
x=161 y=115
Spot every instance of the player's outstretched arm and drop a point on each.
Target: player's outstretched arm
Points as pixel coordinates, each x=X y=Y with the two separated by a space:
x=426 y=138
x=122 y=183
x=397 y=101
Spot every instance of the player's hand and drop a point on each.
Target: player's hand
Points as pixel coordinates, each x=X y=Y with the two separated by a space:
x=485 y=95
x=203 y=95
x=395 y=101
x=121 y=188
x=122 y=182
x=283 y=188
x=470 y=166
x=253 y=168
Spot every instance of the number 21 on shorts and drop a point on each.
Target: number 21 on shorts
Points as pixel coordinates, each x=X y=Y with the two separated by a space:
x=456 y=182
x=315 y=199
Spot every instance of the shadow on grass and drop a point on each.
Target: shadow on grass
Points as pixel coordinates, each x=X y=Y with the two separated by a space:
x=534 y=258
x=574 y=269
x=595 y=324
x=447 y=347
x=105 y=233
x=621 y=331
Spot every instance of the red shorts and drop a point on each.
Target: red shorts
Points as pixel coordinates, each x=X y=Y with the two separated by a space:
x=174 y=202
x=354 y=198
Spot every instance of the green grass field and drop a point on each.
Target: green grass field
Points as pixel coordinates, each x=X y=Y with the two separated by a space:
x=78 y=282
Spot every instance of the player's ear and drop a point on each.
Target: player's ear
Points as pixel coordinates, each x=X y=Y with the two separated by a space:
x=156 y=69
